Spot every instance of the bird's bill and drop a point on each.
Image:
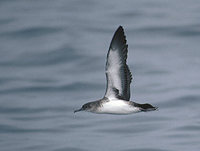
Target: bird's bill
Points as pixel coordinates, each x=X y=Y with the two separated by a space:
x=78 y=110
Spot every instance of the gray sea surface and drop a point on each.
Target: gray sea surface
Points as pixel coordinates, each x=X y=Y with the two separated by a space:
x=52 y=61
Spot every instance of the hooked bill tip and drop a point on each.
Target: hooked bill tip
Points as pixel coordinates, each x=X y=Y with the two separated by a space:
x=78 y=110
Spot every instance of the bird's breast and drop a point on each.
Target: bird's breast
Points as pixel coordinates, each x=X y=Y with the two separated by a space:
x=117 y=107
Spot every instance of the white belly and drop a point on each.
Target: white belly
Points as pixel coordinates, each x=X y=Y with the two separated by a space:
x=117 y=107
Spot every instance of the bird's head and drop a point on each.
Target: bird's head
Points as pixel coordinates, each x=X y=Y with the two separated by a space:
x=85 y=107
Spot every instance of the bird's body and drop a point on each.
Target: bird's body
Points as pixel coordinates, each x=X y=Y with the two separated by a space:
x=117 y=106
x=119 y=77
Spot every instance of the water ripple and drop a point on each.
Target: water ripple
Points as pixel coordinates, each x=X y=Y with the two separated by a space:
x=14 y=129
x=76 y=86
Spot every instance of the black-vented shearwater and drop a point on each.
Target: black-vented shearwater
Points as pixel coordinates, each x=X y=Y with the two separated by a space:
x=119 y=77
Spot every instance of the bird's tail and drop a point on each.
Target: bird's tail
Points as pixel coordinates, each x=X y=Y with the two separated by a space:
x=147 y=107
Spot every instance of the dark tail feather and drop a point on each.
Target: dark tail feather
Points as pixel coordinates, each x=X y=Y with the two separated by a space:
x=147 y=107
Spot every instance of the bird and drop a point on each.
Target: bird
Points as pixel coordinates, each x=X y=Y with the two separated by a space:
x=118 y=75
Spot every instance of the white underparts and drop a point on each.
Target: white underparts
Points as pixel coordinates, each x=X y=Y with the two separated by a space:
x=117 y=107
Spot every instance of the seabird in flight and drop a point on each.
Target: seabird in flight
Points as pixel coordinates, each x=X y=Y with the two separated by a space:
x=117 y=97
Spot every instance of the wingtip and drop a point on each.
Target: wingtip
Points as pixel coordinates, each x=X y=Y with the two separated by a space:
x=119 y=38
x=120 y=28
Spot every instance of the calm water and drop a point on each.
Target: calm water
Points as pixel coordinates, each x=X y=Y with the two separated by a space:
x=52 y=59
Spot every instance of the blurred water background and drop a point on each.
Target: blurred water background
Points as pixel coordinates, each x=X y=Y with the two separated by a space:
x=52 y=60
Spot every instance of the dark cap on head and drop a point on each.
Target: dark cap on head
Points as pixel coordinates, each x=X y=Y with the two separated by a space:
x=85 y=107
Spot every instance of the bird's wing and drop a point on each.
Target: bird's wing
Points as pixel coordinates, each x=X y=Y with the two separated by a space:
x=118 y=74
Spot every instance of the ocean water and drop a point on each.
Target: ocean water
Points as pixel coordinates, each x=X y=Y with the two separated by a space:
x=52 y=60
